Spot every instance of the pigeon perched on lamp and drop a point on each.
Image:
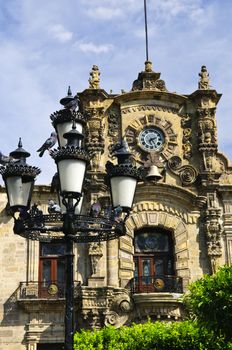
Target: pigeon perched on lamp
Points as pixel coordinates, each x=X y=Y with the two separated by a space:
x=49 y=143
x=70 y=102
x=4 y=160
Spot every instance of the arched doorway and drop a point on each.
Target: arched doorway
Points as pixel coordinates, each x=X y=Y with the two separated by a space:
x=154 y=260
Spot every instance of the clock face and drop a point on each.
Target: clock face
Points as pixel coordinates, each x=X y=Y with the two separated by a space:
x=151 y=139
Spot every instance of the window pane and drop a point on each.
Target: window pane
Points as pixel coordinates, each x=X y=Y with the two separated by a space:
x=159 y=267
x=51 y=249
x=151 y=242
x=60 y=271
x=46 y=272
x=170 y=267
x=136 y=274
x=146 y=266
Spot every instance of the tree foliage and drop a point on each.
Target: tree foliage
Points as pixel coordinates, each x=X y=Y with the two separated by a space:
x=209 y=328
x=151 y=336
x=210 y=301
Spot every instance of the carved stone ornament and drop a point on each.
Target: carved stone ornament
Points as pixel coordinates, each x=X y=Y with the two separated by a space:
x=153 y=108
x=95 y=136
x=207 y=131
x=94 y=79
x=213 y=236
x=113 y=125
x=95 y=253
x=112 y=319
x=133 y=131
x=187 y=173
x=174 y=164
x=153 y=158
x=121 y=309
x=204 y=83
x=149 y=80
x=104 y=306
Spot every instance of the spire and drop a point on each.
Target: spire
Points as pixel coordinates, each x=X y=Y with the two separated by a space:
x=146 y=31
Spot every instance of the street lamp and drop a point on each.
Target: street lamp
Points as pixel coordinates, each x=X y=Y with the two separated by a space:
x=69 y=226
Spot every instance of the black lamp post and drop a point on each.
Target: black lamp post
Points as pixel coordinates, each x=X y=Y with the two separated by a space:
x=68 y=227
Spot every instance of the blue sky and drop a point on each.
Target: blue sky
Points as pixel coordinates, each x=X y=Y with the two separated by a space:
x=47 y=45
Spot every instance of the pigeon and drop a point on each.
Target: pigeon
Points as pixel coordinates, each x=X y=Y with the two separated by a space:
x=49 y=143
x=4 y=160
x=72 y=105
x=118 y=213
x=53 y=207
x=95 y=209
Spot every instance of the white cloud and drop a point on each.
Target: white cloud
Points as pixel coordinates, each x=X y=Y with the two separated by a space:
x=194 y=10
x=104 y=13
x=91 y=47
x=36 y=70
x=113 y=9
x=60 y=33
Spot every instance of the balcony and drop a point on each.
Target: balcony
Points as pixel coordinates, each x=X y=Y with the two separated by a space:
x=156 y=284
x=157 y=297
x=41 y=290
x=34 y=295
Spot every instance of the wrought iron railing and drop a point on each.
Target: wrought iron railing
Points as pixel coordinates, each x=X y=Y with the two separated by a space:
x=157 y=283
x=43 y=290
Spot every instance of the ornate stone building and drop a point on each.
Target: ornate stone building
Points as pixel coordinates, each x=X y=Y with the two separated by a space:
x=180 y=227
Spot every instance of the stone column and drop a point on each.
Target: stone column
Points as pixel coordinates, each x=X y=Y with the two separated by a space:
x=33 y=260
x=32 y=346
x=112 y=263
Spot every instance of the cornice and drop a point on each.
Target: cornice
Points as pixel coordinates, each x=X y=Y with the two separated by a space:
x=150 y=95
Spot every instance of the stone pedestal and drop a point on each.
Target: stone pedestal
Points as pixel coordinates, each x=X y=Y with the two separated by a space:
x=96 y=281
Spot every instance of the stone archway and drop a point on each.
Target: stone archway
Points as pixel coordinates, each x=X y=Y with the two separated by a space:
x=149 y=214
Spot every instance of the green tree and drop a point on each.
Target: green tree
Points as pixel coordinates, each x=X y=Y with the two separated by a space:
x=210 y=302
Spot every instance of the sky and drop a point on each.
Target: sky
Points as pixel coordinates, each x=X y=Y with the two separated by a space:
x=45 y=46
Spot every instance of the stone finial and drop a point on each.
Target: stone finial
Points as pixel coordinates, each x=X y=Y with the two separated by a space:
x=94 y=79
x=148 y=66
x=204 y=79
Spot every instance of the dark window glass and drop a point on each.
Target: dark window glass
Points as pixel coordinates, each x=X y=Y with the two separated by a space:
x=51 y=249
x=50 y=346
x=151 y=242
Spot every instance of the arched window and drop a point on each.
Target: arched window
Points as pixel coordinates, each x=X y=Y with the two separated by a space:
x=153 y=257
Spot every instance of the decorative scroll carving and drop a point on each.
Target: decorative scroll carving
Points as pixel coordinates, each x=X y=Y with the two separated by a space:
x=187 y=173
x=204 y=79
x=95 y=253
x=104 y=306
x=95 y=136
x=94 y=79
x=120 y=311
x=174 y=164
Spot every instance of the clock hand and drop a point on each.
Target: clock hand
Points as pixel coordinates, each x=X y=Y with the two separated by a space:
x=152 y=141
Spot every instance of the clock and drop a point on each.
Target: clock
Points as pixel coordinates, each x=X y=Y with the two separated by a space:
x=151 y=139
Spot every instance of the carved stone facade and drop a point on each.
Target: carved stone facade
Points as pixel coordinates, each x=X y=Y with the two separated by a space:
x=183 y=221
